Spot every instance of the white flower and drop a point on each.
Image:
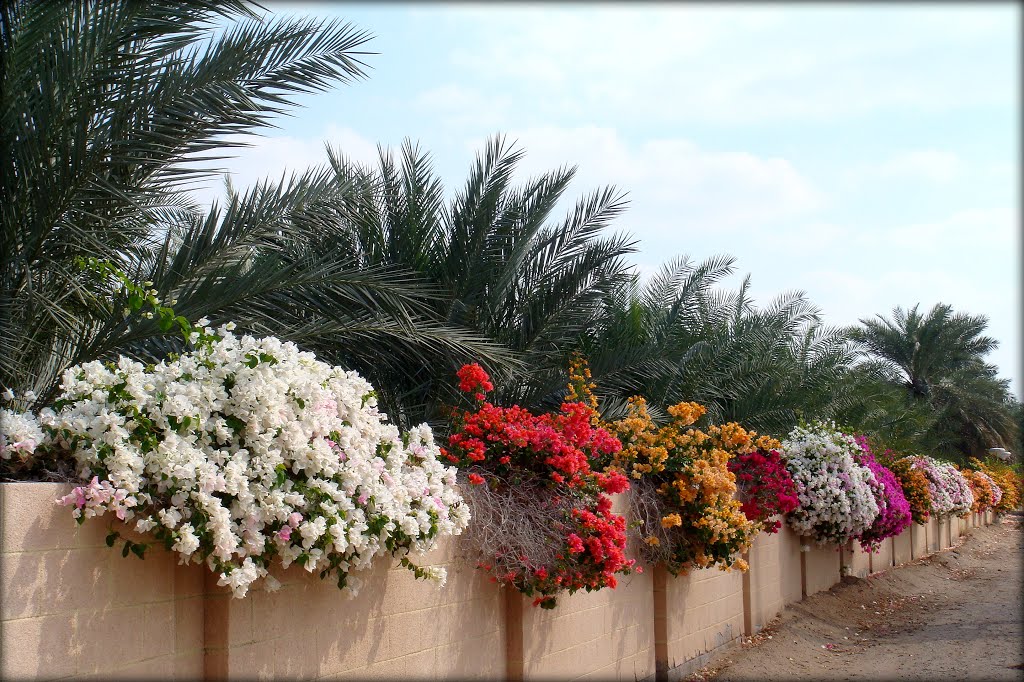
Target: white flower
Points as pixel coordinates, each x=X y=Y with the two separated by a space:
x=236 y=426
x=836 y=499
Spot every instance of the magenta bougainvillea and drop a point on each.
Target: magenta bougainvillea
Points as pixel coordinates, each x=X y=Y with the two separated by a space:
x=893 y=508
x=764 y=487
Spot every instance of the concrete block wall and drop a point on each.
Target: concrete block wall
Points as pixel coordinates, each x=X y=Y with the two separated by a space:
x=73 y=607
x=606 y=634
x=882 y=558
x=774 y=575
x=397 y=627
x=822 y=567
x=856 y=561
x=934 y=544
x=919 y=536
x=704 y=610
x=902 y=546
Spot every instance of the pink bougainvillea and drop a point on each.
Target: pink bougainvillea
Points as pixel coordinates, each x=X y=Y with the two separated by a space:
x=764 y=487
x=893 y=508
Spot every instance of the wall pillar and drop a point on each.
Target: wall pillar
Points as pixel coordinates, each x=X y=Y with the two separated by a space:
x=660 y=592
x=513 y=634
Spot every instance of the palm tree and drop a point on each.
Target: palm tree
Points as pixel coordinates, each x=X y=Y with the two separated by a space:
x=678 y=338
x=500 y=268
x=938 y=360
x=112 y=110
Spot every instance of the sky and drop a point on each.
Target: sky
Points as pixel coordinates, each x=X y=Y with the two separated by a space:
x=865 y=154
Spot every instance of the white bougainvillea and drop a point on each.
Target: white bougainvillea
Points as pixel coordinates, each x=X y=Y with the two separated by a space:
x=836 y=502
x=20 y=434
x=951 y=493
x=245 y=451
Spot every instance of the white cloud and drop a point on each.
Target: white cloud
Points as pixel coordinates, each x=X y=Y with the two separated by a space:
x=725 y=64
x=672 y=183
x=455 y=105
x=994 y=229
x=273 y=156
x=928 y=164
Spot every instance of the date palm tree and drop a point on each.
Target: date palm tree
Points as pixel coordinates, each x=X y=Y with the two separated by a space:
x=678 y=338
x=937 y=358
x=112 y=110
x=501 y=268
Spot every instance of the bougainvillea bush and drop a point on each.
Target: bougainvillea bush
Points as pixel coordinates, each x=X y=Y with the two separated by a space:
x=982 y=490
x=997 y=492
x=764 y=487
x=543 y=522
x=893 y=508
x=1007 y=481
x=950 y=491
x=836 y=500
x=20 y=435
x=245 y=451
x=684 y=492
x=915 y=485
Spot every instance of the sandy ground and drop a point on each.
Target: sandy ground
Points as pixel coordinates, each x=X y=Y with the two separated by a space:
x=956 y=615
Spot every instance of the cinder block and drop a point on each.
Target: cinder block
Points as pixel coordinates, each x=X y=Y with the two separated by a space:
x=158 y=629
x=39 y=583
x=161 y=668
x=45 y=646
x=33 y=521
x=188 y=625
x=822 y=568
x=140 y=581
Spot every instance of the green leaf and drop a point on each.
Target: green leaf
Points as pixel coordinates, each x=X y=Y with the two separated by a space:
x=166 y=322
x=127 y=548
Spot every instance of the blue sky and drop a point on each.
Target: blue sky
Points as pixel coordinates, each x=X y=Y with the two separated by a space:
x=865 y=154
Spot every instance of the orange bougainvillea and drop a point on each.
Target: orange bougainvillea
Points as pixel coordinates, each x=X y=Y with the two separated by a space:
x=1006 y=478
x=981 y=488
x=693 y=519
x=915 y=485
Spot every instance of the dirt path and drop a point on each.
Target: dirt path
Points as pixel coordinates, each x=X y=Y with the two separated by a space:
x=956 y=615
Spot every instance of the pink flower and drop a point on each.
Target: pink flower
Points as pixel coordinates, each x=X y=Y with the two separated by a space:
x=285 y=533
x=294 y=519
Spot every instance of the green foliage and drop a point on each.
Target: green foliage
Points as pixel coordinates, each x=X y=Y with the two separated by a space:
x=677 y=338
x=497 y=266
x=930 y=389
x=113 y=109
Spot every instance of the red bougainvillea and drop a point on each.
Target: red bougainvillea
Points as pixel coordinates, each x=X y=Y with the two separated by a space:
x=764 y=486
x=542 y=521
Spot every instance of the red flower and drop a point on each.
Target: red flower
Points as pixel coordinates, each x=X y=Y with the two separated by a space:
x=476 y=479
x=473 y=379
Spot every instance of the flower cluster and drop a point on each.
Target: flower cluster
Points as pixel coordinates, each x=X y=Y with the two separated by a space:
x=997 y=492
x=246 y=449
x=950 y=491
x=691 y=519
x=764 y=487
x=20 y=434
x=555 y=530
x=1007 y=483
x=836 y=499
x=983 y=488
x=915 y=485
x=894 y=514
